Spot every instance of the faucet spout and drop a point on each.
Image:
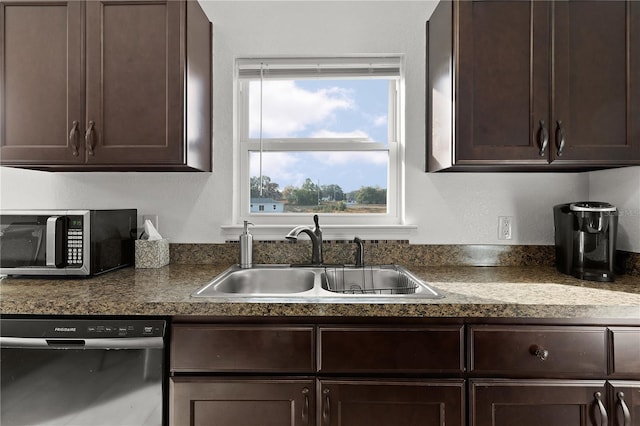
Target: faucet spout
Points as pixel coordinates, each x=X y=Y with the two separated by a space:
x=293 y=234
x=316 y=240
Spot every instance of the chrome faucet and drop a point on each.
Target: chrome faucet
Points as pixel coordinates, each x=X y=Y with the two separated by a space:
x=316 y=239
x=359 y=252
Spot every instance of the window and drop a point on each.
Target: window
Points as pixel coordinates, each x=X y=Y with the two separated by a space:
x=319 y=135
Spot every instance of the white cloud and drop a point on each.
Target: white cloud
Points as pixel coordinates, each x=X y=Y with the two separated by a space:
x=380 y=120
x=288 y=109
x=355 y=134
x=279 y=166
x=343 y=158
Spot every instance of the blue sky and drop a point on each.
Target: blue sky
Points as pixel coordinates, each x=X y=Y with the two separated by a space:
x=323 y=108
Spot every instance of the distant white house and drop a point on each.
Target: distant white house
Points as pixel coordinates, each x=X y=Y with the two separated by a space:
x=266 y=205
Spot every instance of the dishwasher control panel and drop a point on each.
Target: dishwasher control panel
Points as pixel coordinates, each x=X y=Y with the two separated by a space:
x=82 y=329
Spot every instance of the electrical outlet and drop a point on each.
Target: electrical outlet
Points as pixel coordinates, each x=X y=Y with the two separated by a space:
x=505 y=224
x=153 y=218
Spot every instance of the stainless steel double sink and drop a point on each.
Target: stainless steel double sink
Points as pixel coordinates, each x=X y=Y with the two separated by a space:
x=328 y=282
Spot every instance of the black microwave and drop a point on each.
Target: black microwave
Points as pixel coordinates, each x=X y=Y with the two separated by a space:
x=66 y=242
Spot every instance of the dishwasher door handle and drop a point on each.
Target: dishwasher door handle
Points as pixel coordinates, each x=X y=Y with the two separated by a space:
x=61 y=343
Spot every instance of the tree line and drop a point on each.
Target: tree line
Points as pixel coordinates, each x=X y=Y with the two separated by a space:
x=309 y=193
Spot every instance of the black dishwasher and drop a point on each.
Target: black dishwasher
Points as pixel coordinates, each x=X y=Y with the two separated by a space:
x=82 y=371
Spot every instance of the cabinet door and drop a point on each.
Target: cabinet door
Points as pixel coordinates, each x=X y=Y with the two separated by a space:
x=134 y=82
x=596 y=107
x=390 y=403
x=537 y=402
x=625 y=403
x=503 y=82
x=41 y=93
x=246 y=402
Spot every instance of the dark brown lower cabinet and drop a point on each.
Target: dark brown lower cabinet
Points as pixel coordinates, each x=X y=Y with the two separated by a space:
x=624 y=402
x=537 y=402
x=200 y=401
x=390 y=403
x=280 y=402
x=503 y=402
x=415 y=374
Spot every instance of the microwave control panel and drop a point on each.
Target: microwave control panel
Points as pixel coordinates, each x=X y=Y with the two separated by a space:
x=74 y=241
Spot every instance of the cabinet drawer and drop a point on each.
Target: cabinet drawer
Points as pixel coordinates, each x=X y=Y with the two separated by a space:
x=209 y=348
x=625 y=358
x=394 y=350
x=537 y=350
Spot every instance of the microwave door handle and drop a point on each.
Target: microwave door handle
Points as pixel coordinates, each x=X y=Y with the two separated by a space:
x=36 y=252
x=54 y=251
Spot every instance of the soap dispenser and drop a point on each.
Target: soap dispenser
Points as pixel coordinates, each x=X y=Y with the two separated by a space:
x=246 y=247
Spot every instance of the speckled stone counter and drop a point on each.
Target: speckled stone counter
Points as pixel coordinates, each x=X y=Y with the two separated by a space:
x=470 y=292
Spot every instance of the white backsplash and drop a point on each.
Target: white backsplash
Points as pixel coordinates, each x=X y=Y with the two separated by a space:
x=620 y=187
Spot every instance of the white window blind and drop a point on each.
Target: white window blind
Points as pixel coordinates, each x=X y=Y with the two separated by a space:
x=376 y=147
x=334 y=68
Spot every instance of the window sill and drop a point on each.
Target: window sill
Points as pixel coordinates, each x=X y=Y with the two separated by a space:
x=329 y=232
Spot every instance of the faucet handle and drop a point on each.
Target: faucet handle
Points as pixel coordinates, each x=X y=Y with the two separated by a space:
x=359 y=252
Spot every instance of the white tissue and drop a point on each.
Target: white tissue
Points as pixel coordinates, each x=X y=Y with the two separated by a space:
x=150 y=231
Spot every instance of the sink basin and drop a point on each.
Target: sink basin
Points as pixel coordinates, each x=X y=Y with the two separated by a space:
x=374 y=280
x=322 y=283
x=262 y=280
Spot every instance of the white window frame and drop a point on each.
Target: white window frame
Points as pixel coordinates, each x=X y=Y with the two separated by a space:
x=339 y=67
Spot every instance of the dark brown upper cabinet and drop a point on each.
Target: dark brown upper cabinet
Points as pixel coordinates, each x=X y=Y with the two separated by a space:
x=533 y=85
x=105 y=85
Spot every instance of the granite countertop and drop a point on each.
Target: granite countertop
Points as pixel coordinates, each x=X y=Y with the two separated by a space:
x=481 y=292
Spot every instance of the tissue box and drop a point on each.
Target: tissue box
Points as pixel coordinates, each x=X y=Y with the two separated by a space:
x=152 y=254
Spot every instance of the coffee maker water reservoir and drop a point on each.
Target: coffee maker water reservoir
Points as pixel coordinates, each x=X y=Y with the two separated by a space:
x=585 y=237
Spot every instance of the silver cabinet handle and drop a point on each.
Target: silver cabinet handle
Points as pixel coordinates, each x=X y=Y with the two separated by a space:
x=305 y=407
x=89 y=137
x=600 y=406
x=326 y=408
x=560 y=140
x=626 y=415
x=543 y=138
x=73 y=137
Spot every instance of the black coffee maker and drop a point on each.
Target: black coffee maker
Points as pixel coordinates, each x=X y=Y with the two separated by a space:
x=585 y=234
